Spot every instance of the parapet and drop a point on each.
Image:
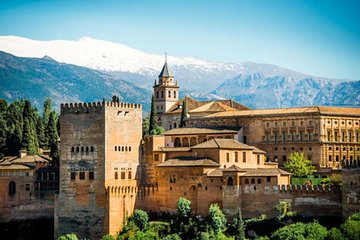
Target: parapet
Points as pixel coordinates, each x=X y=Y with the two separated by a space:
x=95 y=106
x=298 y=189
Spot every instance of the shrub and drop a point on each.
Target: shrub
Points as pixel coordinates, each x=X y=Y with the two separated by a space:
x=70 y=236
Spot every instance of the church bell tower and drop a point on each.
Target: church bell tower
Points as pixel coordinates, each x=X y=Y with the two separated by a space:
x=166 y=90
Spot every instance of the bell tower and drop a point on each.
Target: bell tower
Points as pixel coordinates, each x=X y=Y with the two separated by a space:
x=166 y=90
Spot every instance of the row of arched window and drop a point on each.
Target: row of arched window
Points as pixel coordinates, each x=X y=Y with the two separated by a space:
x=86 y=149
x=162 y=94
x=122 y=148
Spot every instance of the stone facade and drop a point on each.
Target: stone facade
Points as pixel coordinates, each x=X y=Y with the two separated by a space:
x=99 y=167
x=27 y=187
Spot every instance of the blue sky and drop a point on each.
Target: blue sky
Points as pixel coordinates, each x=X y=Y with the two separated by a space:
x=321 y=38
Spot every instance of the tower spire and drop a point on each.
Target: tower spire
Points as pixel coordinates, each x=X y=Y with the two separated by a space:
x=165 y=56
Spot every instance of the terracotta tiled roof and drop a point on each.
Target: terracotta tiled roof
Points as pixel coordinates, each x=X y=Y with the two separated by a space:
x=195 y=106
x=223 y=144
x=285 y=111
x=188 y=131
x=264 y=172
x=16 y=167
x=173 y=149
x=215 y=173
x=189 y=162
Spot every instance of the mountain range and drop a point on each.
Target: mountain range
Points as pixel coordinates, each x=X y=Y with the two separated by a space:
x=90 y=69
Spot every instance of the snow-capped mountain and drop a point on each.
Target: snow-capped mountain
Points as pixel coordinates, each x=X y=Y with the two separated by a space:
x=255 y=85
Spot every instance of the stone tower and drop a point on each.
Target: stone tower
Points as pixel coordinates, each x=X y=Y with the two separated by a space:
x=99 y=162
x=166 y=91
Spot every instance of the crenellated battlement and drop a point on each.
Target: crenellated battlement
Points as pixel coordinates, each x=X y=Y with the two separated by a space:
x=141 y=191
x=95 y=106
x=308 y=189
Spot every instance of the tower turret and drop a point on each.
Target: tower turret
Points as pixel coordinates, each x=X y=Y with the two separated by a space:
x=166 y=92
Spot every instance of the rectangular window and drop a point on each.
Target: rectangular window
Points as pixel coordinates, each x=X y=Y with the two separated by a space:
x=27 y=187
x=284 y=136
x=91 y=175
x=357 y=136
x=244 y=138
x=335 y=136
x=73 y=175
x=227 y=157
x=236 y=156
x=129 y=174
x=275 y=137
x=258 y=159
x=301 y=136
x=122 y=175
x=293 y=136
x=244 y=156
x=329 y=135
x=309 y=137
x=267 y=137
x=330 y=158
x=116 y=176
x=337 y=158
x=284 y=158
x=156 y=157
x=82 y=176
x=343 y=136
x=268 y=179
x=349 y=136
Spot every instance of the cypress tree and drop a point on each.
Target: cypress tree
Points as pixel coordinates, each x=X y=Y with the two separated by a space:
x=2 y=136
x=184 y=113
x=239 y=226
x=53 y=137
x=153 y=115
x=29 y=139
x=40 y=131
x=14 y=123
x=115 y=99
x=45 y=120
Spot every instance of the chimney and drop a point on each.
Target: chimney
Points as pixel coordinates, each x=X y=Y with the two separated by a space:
x=22 y=153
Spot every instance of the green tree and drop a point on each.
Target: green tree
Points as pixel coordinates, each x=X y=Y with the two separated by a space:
x=145 y=126
x=184 y=207
x=153 y=116
x=45 y=120
x=3 y=106
x=40 y=131
x=184 y=113
x=154 y=129
x=172 y=237
x=2 y=136
x=70 y=236
x=14 y=123
x=51 y=131
x=108 y=237
x=300 y=231
x=140 y=218
x=115 y=99
x=334 y=234
x=29 y=140
x=299 y=165
x=217 y=218
x=351 y=227
x=239 y=226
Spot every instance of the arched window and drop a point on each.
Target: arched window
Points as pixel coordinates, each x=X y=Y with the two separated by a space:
x=157 y=94
x=169 y=94
x=91 y=148
x=115 y=148
x=82 y=149
x=12 y=188
x=177 y=142
x=162 y=94
x=122 y=148
x=185 y=142
x=77 y=149
x=174 y=94
x=87 y=149
x=259 y=180
x=129 y=148
x=230 y=181
x=253 y=181
x=126 y=148
x=175 y=125
x=192 y=141
x=246 y=181
x=72 y=149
